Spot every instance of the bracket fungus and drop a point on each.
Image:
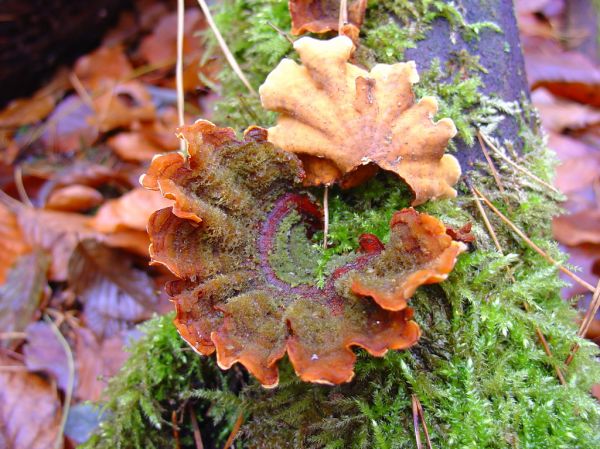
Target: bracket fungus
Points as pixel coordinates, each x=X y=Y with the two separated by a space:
x=239 y=239
x=343 y=121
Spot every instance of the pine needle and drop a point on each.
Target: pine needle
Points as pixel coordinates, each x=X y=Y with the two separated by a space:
x=343 y=15
x=236 y=428
x=224 y=48
x=325 y=215
x=533 y=246
x=586 y=322
x=514 y=164
x=419 y=419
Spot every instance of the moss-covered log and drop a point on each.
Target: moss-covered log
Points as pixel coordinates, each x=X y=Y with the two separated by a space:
x=479 y=370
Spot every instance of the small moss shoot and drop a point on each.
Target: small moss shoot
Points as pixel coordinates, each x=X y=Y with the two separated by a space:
x=479 y=371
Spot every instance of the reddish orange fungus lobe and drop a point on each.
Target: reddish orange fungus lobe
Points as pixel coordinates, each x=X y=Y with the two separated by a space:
x=234 y=237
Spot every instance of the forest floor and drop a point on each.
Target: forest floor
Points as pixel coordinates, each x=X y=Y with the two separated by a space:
x=74 y=275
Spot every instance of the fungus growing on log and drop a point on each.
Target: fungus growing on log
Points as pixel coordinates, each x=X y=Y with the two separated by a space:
x=239 y=237
x=343 y=121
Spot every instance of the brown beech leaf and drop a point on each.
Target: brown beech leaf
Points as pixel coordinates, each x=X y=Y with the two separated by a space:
x=106 y=63
x=68 y=128
x=13 y=241
x=130 y=211
x=23 y=291
x=30 y=411
x=559 y=115
x=26 y=111
x=43 y=352
x=344 y=119
x=580 y=227
x=239 y=239
x=114 y=293
x=74 y=198
x=96 y=362
x=55 y=232
x=579 y=80
x=134 y=146
x=321 y=16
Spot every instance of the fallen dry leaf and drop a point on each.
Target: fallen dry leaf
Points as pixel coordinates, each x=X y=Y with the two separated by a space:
x=26 y=111
x=30 y=411
x=240 y=241
x=134 y=146
x=23 y=291
x=136 y=242
x=67 y=128
x=351 y=118
x=579 y=80
x=106 y=63
x=580 y=227
x=43 y=352
x=13 y=241
x=558 y=115
x=577 y=173
x=55 y=232
x=74 y=198
x=96 y=362
x=321 y=16
x=130 y=211
x=115 y=295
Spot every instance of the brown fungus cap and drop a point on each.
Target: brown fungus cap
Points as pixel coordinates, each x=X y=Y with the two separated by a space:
x=343 y=121
x=238 y=237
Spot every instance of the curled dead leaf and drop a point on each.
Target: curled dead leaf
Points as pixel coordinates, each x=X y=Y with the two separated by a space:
x=240 y=242
x=344 y=118
x=13 y=241
x=74 y=198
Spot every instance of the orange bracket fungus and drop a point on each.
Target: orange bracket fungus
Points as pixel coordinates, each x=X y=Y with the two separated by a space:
x=343 y=121
x=239 y=238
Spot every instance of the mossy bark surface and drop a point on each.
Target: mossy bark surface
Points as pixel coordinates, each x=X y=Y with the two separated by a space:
x=479 y=370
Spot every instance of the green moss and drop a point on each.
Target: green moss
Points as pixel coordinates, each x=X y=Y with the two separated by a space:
x=479 y=370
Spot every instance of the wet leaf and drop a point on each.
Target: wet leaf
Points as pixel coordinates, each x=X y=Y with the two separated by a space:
x=114 y=293
x=43 y=352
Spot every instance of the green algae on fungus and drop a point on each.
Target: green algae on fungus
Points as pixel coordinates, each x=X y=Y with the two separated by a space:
x=238 y=236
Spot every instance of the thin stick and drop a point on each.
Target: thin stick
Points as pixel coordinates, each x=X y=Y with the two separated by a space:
x=280 y=31
x=514 y=164
x=70 y=381
x=536 y=248
x=175 y=429
x=18 y=176
x=418 y=408
x=224 y=48
x=196 y=428
x=179 y=69
x=415 y=413
x=586 y=322
x=325 y=215
x=234 y=431
x=12 y=335
x=495 y=173
x=538 y=331
x=343 y=20
x=486 y=221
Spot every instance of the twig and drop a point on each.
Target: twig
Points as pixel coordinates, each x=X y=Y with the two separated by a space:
x=419 y=418
x=12 y=335
x=325 y=215
x=175 y=429
x=536 y=248
x=486 y=221
x=18 y=176
x=514 y=164
x=70 y=381
x=538 y=331
x=224 y=48
x=195 y=427
x=179 y=70
x=343 y=20
x=586 y=322
x=495 y=173
x=236 y=428
x=280 y=31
